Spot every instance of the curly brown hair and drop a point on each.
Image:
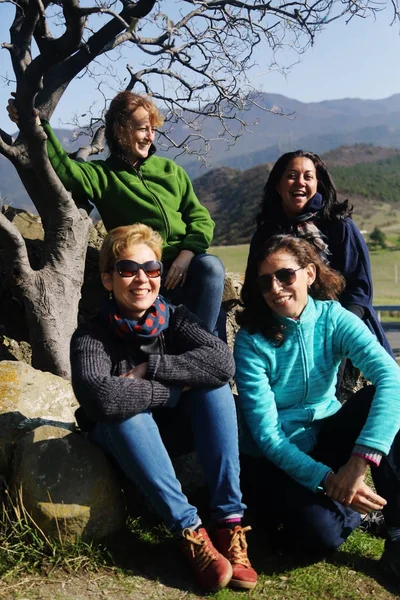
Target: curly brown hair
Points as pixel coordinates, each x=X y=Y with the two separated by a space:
x=118 y=122
x=256 y=315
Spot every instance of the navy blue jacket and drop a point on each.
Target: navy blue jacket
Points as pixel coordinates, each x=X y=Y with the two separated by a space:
x=349 y=255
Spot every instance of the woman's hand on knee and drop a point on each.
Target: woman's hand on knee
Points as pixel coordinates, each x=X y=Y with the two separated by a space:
x=177 y=273
x=348 y=487
x=366 y=500
x=343 y=485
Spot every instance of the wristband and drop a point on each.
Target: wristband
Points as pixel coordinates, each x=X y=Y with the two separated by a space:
x=321 y=487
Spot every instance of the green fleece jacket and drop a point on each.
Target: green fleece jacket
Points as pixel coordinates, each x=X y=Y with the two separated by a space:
x=159 y=193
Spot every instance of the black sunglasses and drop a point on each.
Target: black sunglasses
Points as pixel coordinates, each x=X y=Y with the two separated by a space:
x=284 y=276
x=129 y=268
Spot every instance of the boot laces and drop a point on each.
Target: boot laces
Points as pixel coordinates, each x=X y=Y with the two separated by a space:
x=200 y=547
x=238 y=547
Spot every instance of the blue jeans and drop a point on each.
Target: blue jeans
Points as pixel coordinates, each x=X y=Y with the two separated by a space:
x=202 y=292
x=312 y=521
x=137 y=446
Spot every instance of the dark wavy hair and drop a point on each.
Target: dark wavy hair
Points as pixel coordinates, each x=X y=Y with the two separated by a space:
x=271 y=200
x=118 y=122
x=256 y=315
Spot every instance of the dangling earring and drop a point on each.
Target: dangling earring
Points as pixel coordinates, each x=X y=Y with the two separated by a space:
x=110 y=295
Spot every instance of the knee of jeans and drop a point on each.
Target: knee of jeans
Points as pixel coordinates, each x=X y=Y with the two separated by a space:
x=130 y=426
x=321 y=530
x=209 y=267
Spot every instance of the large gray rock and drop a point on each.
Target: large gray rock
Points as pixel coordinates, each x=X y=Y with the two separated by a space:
x=67 y=485
x=30 y=398
x=12 y=350
x=29 y=225
x=231 y=304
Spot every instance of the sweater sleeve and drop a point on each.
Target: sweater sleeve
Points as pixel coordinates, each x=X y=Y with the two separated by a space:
x=104 y=396
x=354 y=340
x=199 y=358
x=199 y=225
x=258 y=407
x=83 y=179
x=350 y=256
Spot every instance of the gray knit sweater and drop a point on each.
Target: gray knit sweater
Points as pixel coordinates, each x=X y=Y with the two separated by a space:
x=185 y=354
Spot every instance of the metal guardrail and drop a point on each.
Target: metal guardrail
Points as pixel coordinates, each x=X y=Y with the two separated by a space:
x=385 y=307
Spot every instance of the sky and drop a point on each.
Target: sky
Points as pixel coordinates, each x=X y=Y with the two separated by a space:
x=357 y=60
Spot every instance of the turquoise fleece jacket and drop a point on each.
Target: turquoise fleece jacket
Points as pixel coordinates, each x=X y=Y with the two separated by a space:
x=285 y=391
x=159 y=193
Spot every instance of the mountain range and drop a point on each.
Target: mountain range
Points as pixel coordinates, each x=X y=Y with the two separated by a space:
x=317 y=126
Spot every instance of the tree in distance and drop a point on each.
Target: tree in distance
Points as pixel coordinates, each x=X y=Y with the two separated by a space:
x=196 y=64
x=378 y=237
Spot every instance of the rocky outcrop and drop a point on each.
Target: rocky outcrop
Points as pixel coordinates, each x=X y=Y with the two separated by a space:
x=29 y=225
x=231 y=304
x=67 y=485
x=12 y=350
x=28 y=399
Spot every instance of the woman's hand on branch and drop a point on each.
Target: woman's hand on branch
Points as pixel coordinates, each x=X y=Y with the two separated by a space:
x=13 y=111
x=177 y=273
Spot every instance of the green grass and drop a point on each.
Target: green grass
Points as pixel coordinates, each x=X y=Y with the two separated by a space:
x=24 y=547
x=233 y=257
x=384 y=264
x=386 y=290
x=145 y=558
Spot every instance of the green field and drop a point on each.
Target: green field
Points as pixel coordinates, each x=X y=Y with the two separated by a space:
x=384 y=264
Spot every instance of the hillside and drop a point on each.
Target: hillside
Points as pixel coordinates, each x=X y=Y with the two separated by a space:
x=371 y=185
x=232 y=197
x=346 y=156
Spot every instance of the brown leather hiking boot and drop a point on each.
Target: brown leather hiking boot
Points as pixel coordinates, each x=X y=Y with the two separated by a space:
x=212 y=570
x=232 y=544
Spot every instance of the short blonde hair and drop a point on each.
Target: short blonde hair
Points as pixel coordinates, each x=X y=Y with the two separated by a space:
x=121 y=238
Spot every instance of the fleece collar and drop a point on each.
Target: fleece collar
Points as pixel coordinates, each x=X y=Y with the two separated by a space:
x=307 y=316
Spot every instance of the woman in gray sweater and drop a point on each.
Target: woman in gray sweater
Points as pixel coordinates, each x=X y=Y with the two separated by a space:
x=142 y=360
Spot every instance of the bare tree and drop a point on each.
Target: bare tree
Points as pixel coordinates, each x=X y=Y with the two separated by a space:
x=197 y=65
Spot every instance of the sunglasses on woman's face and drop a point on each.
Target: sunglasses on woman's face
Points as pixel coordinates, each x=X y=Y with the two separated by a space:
x=130 y=268
x=283 y=276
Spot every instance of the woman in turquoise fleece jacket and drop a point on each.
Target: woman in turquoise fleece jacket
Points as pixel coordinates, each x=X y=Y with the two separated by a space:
x=305 y=455
x=133 y=185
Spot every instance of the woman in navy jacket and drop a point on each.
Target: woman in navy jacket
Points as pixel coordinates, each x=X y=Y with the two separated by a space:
x=300 y=199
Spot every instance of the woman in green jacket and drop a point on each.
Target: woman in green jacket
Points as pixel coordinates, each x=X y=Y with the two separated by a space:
x=134 y=185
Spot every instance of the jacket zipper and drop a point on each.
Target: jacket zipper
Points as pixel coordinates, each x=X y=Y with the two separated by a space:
x=158 y=203
x=304 y=356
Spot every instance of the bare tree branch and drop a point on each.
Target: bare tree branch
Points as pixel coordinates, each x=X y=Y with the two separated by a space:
x=15 y=243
